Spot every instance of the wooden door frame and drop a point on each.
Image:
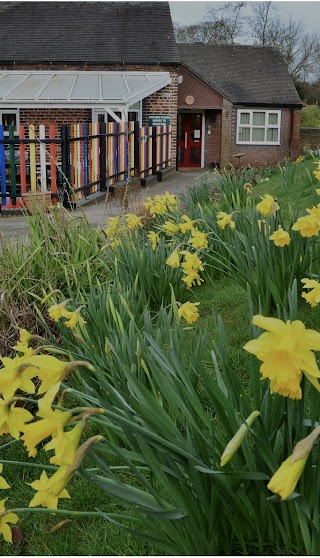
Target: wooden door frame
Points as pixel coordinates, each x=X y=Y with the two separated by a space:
x=198 y=111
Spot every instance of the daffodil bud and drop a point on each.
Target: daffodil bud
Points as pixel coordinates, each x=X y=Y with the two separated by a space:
x=235 y=442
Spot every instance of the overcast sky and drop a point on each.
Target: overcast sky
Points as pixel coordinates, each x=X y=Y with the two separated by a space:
x=186 y=13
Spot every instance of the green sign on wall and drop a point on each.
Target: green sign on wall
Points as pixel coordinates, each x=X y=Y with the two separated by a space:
x=159 y=120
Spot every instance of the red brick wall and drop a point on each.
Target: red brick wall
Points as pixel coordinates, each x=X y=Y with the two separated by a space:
x=310 y=138
x=54 y=116
x=212 y=142
x=268 y=155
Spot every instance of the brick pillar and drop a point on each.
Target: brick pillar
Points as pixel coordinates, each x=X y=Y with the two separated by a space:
x=295 y=139
x=226 y=136
x=164 y=101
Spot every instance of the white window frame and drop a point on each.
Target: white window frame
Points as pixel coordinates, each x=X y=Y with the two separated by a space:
x=11 y=111
x=265 y=127
x=101 y=110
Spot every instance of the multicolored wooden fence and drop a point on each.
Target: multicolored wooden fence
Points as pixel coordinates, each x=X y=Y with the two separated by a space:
x=78 y=158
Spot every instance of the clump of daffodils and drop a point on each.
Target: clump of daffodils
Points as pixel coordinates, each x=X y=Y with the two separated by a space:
x=41 y=375
x=160 y=204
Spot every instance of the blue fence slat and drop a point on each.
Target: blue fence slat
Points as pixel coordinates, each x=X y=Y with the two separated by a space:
x=3 y=168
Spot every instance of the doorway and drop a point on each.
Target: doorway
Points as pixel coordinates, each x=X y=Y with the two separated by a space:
x=189 y=139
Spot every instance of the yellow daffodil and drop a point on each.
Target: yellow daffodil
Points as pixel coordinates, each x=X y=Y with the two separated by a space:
x=267 y=206
x=73 y=319
x=298 y=160
x=12 y=418
x=235 y=442
x=318 y=191
x=50 y=370
x=57 y=311
x=189 y=312
x=192 y=278
x=154 y=239
x=247 y=188
x=286 y=477
x=307 y=225
x=37 y=431
x=192 y=262
x=23 y=344
x=49 y=490
x=113 y=226
x=3 y=483
x=133 y=221
x=198 y=239
x=187 y=225
x=280 y=238
x=65 y=445
x=169 y=199
x=17 y=374
x=174 y=260
x=317 y=173
x=285 y=350
x=155 y=207
x=313 y=297
x=223 y=219
x=170 y=228
x=6 y=518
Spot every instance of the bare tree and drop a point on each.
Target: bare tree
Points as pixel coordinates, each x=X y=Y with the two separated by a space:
x=221 y=26
x=299 y=49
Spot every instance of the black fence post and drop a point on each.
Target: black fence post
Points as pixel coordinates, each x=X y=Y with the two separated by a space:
x=136 y=162
x=65 y=164
x=103 y=157
x=154 y=149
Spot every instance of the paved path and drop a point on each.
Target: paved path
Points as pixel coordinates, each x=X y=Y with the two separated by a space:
x=13 y=227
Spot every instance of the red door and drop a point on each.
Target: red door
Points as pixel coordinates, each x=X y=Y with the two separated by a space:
x=189 y=139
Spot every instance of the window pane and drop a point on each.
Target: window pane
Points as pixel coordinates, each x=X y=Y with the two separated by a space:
x=8 y=119
x=132 y=116
x=244 y=118
x=258 y=134
x=273 y=119
x=259 y=119
x=244 y=134
x=101 y=117
x=273 y=134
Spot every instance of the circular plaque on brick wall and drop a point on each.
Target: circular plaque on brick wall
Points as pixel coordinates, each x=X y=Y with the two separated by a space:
x=189 y=100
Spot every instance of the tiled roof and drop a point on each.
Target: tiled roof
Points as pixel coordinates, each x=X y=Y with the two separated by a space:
x=92 y=32
x=243 y=74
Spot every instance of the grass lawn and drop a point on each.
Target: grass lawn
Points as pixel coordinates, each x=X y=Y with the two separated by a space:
x=222 y=297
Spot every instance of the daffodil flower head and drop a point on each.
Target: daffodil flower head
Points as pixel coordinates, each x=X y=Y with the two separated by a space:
x=38 y=431
x=235 y=442
x=312 y=297
x=6 y=518
x=192 y=278
x=17 y=374
x=3 y=483
x=189 y=311
x=12 y=418
x=198 y=239
x=307 y=225
x=187 y=224
x=154 y=239
x=280 y=238
x=174 y=260
x=268 y=206
x=133 y=221
x=223 y=219
x=57 y=311
x=170 y=228
x=285 y=479
x=285 y=350
x=65 y=445
x=23 y=344
x=192 y=262
x=73 y=319
x=50 y=490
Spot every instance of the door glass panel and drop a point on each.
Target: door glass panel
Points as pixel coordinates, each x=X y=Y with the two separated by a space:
x=180 y=155
x=195 y=155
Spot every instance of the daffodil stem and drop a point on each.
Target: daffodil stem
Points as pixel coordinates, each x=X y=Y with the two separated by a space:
x=7 y=444
x=56 y=511
x=28 y=464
